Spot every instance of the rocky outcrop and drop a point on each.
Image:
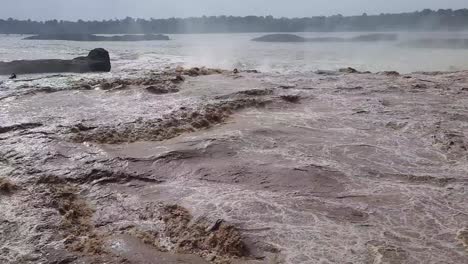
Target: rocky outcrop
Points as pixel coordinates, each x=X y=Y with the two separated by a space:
x=280 y=38
x=90 y=37
x=98 y=60
x=294 y=38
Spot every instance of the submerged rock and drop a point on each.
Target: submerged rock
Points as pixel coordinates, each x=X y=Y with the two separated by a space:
x=6 y=186
x=462 y=235
x=294 y=38
x=280 y=38
x=390 y=73
x=196 y=71
x=98 y=60
x=348 y=70
x=158 y=89
x=90 y=37
x=291 y=98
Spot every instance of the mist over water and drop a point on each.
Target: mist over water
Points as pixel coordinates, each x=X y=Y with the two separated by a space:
x=230 y=51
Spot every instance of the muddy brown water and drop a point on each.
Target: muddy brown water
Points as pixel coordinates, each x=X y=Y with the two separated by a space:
x=362 y=168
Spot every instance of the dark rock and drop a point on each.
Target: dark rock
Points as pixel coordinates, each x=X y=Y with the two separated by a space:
x=98 y=60
x=86 y=87
x=45 y=89
x=12 y=76
x=89 y=37
x=215 y=226
x=287 y=86
x=178 y=79
x=80 y=128
x=6 y=186
x=157 y=90
x=291 y=98
x=161 y=89
x=391 y=73
x=280 y=38
x=23 y=126
x=419 y=86
x=326 y=72
x=256 y=92
x=195 y=71
x=106 y=86
x=348 y=70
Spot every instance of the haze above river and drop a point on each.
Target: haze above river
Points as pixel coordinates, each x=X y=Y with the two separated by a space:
x=230 y=51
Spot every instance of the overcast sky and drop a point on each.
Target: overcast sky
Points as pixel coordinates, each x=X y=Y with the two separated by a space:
x=107 y=9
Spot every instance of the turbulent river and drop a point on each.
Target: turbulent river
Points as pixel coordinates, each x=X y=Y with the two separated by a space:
x=154 y=163
x=237 y=51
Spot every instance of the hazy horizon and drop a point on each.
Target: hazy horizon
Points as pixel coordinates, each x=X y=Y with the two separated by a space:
x=110 y=9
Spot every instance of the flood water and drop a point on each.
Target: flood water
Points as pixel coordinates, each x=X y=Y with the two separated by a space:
x=360 y=168
x=238 y=51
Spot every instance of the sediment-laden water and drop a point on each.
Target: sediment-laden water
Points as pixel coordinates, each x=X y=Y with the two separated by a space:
x=156 y=163
x=208 y=166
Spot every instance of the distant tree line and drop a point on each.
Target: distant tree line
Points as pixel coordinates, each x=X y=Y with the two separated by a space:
x=427 y=20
